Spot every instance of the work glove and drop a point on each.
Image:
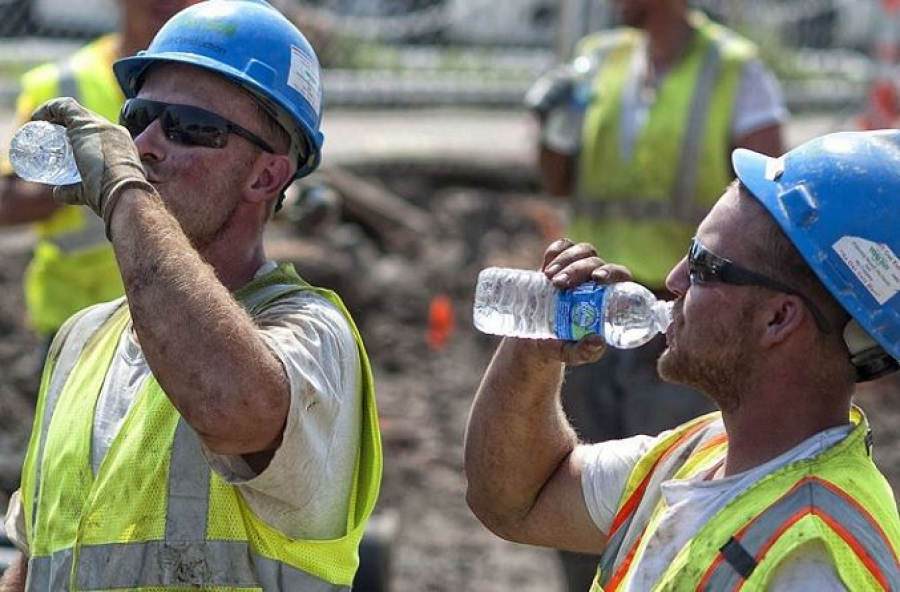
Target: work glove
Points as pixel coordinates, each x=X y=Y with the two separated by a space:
x=107 y=158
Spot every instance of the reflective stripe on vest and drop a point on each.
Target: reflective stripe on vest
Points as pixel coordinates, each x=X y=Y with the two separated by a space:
x=77 y=330
x=161 y=563
x=614 y=563
x=180 y=559
x=811 y=496
x=681 y=203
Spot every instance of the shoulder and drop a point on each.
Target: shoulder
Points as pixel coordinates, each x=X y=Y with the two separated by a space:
x=733 y=45
x=607 y=41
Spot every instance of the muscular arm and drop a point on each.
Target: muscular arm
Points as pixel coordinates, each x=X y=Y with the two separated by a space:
x=524 y=483
x=22 y=202
x=13 y=579
x=204 y=349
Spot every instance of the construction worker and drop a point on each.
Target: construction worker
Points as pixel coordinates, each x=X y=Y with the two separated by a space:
x=635 y=135
x=216 y=428
x=787 y=297
x=73 y=264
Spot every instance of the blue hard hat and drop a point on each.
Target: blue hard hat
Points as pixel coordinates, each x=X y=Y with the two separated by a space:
x=837 y=198
x=254 y=45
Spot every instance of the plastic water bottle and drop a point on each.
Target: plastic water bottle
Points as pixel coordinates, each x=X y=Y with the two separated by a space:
x=40 y=152
x=522 y=303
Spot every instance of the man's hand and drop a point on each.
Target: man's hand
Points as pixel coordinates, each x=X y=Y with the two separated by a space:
x=567 y=265
x=107 y=158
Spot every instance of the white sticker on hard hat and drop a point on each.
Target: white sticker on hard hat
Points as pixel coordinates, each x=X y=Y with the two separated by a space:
x=875 y=265
x=774 y=168
x=304 y=78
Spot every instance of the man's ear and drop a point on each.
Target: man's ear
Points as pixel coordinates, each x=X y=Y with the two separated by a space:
x=271 y=174
x=784 y=315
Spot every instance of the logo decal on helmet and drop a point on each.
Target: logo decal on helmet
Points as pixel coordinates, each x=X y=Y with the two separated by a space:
x=304 y=78
x=874 y=265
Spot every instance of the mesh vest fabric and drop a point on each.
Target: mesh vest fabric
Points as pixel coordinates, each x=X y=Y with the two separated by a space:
x=73 y=265
x=155 y=516
x=631 y=206
x=838 y=498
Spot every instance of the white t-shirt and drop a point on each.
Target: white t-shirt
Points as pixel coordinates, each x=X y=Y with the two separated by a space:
x=305 y=490
x=758 y=104
x=692 y=502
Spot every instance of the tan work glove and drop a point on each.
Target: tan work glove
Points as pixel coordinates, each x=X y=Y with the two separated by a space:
x=106 y=156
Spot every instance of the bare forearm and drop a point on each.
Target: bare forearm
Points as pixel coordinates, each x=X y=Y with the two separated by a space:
x=517 y=435
x=203 y=348
x=13 y=579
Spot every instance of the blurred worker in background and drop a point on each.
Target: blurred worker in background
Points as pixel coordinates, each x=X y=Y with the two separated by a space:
x=788 y=296
x=216 y=428
x=636 y=132
x=73 y=264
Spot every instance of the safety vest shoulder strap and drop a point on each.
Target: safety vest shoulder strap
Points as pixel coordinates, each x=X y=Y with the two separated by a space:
x=65 y=350
x=642 y=492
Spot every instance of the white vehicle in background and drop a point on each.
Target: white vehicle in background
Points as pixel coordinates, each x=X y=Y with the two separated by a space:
x=81 y=17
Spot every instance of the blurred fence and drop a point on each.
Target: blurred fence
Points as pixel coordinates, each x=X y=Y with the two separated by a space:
x=486 y=52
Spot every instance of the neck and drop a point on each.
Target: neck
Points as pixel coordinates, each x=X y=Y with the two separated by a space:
x=775 y=418
x=668 y=34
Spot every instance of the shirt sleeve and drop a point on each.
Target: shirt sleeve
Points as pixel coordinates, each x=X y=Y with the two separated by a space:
x=759 y=102
x=809 y=567
x=606 y=467
x=305 y=490
x=14 y=524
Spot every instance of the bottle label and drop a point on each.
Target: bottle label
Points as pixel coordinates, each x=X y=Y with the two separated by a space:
x=578 y=312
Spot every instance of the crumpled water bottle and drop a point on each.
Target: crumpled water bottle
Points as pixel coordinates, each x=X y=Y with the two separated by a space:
x=40 y=152
x=522 y=303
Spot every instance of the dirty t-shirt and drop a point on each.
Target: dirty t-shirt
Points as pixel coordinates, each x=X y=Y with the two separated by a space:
x=691 y=502
x=305 y=491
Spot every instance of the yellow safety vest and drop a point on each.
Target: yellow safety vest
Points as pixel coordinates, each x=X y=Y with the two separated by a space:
x=73 y=265
x=155 y=516
x=838 y=497
x=641 y=209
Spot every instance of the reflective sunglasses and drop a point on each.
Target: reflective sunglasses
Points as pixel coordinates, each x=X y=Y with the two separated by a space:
x=706 y=266
x=185 y=124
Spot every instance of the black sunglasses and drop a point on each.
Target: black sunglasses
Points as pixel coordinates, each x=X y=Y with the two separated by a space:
x=706 y=266
x=184 y=124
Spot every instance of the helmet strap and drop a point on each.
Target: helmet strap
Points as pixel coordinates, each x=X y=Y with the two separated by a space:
x=867 y=356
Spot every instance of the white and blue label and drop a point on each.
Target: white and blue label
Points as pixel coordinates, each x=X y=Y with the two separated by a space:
x=579 y=312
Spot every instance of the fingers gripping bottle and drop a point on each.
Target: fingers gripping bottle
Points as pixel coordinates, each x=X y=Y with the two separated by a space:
x=40 y=152
x=522 y=303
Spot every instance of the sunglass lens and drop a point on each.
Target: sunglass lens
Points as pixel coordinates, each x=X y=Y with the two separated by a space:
x=136 y=116
x=194 y=127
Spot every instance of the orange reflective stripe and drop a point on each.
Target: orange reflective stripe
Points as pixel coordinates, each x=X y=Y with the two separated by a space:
x=817 y=497
x=625 y=515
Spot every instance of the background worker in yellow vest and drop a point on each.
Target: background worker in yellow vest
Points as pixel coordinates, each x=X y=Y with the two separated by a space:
x=216 y=428
x=788 y=296
x=73 y=265
x=636 y=133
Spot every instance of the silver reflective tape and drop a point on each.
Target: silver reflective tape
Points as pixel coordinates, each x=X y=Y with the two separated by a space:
x=65 y=351
x=689 y=163
x=189 y=473
x=46 y=574
x=89 y=236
